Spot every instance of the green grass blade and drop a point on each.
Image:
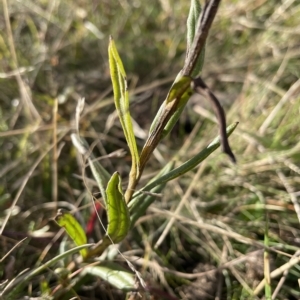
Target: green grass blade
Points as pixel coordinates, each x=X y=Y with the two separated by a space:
x=119 y=82
x=73 y=229
x=100 y=174
x=113 y=273
x=190 y=164
x=15 y=285
x=117 y=210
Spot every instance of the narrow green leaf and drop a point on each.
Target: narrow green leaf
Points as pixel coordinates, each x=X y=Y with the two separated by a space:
x=73 y=229
x=194 y=13
x=100 y=174
x=15 y=285
x=192 y=21
x=188 y=165
x=117 y=215
x=113 y=273
x=117 y=210
x=119 y=82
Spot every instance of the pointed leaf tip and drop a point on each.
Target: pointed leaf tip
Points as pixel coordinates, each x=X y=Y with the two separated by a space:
x=73 y=229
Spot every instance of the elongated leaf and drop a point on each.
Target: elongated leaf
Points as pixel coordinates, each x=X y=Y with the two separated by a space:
x=14 y=286
x=117 y=211
x=192 y=21
x=188 y=165
x=114 y=274
x=118 y=77
x=117 y=215
x=73 y=229
x=194 y=13
x=100 y=174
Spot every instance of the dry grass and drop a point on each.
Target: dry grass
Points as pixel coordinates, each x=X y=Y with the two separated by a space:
x=208 y=229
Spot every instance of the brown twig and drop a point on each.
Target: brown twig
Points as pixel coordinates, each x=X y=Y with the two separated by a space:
x=201 y=88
